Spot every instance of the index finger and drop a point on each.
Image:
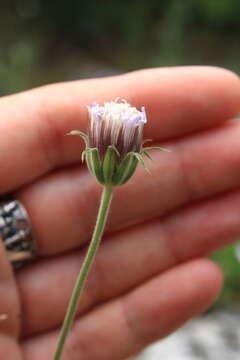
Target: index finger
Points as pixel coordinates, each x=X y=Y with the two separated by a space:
x=178 y=101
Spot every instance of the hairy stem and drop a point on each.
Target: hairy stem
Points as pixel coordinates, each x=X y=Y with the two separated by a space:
x=94 y=244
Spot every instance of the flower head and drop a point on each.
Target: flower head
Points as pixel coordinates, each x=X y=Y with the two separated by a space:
x=116 y=124
x=114 y=141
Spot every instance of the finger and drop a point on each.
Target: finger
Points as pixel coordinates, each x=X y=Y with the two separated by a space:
x=33 y=124
x=9 y=310
x=133 y=256
x=123 y=327
x=64 y=205
x=9 y=298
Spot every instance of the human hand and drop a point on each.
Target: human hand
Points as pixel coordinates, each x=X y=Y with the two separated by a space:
x=149 y=276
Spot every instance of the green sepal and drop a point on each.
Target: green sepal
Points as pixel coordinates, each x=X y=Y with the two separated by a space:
x=147 y=155
x=144 y=151
x=82 y=134
x=125 y=169
x=116 y=150
x=141 y=161
x=131 y=170
x=154 y=148
x=109 y=164
x=83 y=155
x=94 y=164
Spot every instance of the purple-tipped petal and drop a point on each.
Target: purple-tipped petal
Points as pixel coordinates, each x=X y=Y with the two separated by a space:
x=144 y=114
x=118 y=124
x=136 y=119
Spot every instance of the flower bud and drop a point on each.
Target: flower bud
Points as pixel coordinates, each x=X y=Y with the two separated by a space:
x=114 y=141
x=116 y=124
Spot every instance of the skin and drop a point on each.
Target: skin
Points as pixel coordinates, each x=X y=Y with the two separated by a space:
x=150 y=275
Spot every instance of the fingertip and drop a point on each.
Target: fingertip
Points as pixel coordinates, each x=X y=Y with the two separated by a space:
x=227 y=75
x=212 y=276
x=226 y=85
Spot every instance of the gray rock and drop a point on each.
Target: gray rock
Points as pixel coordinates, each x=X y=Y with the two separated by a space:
x=210 y=337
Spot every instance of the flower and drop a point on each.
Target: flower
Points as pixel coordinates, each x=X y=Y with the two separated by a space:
x=116 y=124
x=113 y=150
x=114 y=141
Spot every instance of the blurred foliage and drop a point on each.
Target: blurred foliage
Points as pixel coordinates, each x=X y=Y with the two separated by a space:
x=45 y=41
x=229 y=262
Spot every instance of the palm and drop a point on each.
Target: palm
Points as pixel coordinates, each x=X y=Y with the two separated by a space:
x=149 y=277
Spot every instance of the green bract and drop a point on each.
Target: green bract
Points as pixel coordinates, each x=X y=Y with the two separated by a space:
x=109 y=170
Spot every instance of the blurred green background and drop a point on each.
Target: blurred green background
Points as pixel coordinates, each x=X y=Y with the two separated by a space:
x=46 y=41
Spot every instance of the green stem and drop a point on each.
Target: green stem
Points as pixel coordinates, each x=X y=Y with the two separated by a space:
x=94 y=244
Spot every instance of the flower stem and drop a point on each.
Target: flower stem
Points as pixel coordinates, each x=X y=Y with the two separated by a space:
x=94 y=244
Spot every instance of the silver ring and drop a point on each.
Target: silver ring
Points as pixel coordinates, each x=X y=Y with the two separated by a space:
x=16 y=232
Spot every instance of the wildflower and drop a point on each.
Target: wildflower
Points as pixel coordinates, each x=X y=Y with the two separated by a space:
x=113 y=150
x=114 y=141
x=116 y=124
